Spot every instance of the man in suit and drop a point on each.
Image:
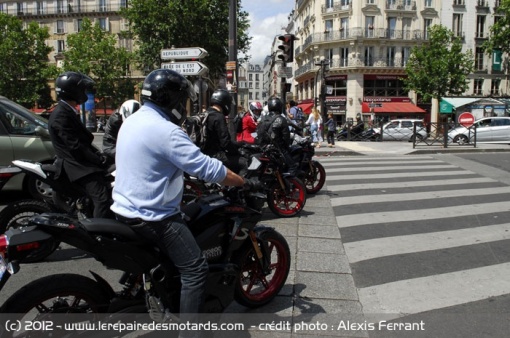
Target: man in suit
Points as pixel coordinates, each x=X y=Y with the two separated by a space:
x=77 y=157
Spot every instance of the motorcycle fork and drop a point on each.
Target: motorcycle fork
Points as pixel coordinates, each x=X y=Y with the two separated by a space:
x=263 y=260
x=280 y=179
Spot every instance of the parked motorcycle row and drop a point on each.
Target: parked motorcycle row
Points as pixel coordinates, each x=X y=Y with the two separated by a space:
x=248 y=262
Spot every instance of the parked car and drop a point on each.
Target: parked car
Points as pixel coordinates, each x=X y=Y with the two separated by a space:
x=24 y=135
x=401 y=130
x=487 y=129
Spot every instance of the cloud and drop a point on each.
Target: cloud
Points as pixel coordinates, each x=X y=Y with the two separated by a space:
x=263 y=33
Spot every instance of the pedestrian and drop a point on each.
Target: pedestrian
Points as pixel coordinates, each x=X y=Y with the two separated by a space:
x=77 y=157
x=330 y=126
x=314 y=121
x=153 y=152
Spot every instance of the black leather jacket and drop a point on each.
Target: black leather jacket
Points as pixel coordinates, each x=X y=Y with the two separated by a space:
x=218 y=142
x=111 y=131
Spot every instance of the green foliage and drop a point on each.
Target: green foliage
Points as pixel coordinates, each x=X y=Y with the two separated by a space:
x=161 y=24
x=499 y=37
x=24 y=57
x=439 y=68
x=93 y=51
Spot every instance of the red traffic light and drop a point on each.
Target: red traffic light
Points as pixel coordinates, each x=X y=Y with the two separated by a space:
x=287 y=47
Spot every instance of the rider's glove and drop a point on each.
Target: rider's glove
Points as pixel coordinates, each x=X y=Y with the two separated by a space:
x=252 y=184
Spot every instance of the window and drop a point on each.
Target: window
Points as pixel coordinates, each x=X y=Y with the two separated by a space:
x=369 y=56
x=344 y=57
x=495 y=83
x=79 y=23
x=250 y=77
x=22 y=8
x=458 y=2
x=328 y=26
x=60 y=27
x=328 y=54
x=406 y=28
x=371 y=2
x=60 y=6
x=426 y=24
x=406 y=53
x=390 y=56
x=480 y=26
x=392 y=25
x=344 y=26
x=60 y=46
x=479 y=54
x=329 y=4
x=345 y=3
x=369 y=26
x=103 y=6
x=3 y=8
x=428 y=3
x=41 y=7
x=103 y=23
x=478 y=85
x=457 y=24
x=256 y=77
x=17 y=124
x=339 y=87
x=123 y=3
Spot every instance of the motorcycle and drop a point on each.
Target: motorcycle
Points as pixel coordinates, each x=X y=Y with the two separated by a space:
x=248 y=262
x=286 y=194
x=312 y=173
x=67 y=198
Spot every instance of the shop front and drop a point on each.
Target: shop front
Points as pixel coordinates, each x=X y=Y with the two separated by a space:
x=451 y=107
x=379 y=110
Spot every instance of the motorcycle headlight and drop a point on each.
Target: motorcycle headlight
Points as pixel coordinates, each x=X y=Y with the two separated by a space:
x=254 y=164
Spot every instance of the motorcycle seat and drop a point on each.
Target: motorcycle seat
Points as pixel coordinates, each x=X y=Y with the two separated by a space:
x=109 y=226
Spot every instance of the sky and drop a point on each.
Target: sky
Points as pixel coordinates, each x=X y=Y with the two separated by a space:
x=267 y=17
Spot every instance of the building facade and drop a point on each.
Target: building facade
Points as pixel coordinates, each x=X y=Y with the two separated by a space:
x=363 y=47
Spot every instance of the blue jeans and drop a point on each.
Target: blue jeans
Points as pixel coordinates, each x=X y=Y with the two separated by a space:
x=314 y=130
x=174 y=238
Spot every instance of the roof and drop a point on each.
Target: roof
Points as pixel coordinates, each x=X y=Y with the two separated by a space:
x=392 y=107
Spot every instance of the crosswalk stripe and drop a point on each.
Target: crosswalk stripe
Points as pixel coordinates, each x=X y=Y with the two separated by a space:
x=402 y=167
x=349 y=177
x=411 y=296
x=398 y=245
x=345 y=221
x=332 y=164
x=382 y=198
x=408 y=184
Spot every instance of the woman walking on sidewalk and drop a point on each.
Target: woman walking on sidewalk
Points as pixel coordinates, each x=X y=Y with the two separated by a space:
x=331 y=128
x=314 y=121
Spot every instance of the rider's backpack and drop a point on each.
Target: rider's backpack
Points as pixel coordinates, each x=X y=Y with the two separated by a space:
x=238 y=123
x=196 y=128
x=264 y=128
x=300 y=115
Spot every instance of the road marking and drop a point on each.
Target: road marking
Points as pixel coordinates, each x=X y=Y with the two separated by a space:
x=398 y=245
x=346 y=221
x=416 y=168
x=396 y=175
x=417 y=196
x=411 y=296
x=408 y=184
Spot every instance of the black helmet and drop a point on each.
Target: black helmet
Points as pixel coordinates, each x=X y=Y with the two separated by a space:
x=168 y=89
x=222 y=98
x=74 y=86
x=275 y=105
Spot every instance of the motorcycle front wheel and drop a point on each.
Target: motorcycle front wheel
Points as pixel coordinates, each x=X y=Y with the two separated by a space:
x=315 y=177
x=61 y=293
x=17 y=214
x=255 y=286
x=288 y=201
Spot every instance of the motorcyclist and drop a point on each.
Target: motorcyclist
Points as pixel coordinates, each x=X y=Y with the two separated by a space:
x=149 y=178
x=77 y=158
x=274 y=127
x=250 y=122
x=113 y=125
x=219 y=144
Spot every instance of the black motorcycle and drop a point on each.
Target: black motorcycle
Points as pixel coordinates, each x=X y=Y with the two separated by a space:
x=312 y=173
x=67 y=198
x=247 y=262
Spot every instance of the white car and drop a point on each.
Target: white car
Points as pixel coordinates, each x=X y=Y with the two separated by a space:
x=486 y=130
x=402 y=130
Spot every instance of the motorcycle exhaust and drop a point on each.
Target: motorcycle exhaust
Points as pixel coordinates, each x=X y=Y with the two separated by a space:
x=158 y=274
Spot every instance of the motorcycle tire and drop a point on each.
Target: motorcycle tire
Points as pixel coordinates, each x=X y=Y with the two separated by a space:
x=315 y=177
x=285 y=203
x=255 y=288
x=17 y=214
x=61 y=293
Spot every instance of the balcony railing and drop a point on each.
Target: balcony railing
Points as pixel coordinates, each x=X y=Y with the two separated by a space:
x=401 y=5
x=58 y=9
x=337 y=7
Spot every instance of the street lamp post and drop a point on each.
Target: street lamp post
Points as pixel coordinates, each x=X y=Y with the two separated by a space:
x=324 y=110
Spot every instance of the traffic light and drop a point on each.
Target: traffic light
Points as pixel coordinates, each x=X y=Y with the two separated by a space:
x=287 y=47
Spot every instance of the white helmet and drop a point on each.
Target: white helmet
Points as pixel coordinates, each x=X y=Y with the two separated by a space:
x=129 y=107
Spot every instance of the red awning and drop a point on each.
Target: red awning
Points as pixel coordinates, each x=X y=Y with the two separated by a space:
x=392 y=107
x=307 y=107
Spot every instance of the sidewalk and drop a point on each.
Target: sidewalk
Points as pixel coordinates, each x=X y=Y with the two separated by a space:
x=350 y=148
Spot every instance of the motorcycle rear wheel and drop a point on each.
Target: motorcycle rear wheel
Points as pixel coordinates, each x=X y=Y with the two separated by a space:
x=287 y=202
x=17 y=214
x=315 y=177
x=61 y=293
x=254 y=287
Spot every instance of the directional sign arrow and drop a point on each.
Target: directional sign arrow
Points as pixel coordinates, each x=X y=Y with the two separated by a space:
x=183 y=53
x=186 y=68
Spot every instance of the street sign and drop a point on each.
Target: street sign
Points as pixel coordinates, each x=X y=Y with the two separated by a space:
x=186 y=68
x=466 y=119
x=183 y=53
x=285 y=72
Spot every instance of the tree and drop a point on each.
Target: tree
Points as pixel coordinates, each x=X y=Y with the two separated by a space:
x=439 y=67
x=499 y=38
x=93 y=51
x=191 y=23
x=24 y=56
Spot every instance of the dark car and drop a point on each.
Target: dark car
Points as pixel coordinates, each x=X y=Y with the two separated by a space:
x=24 y=136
